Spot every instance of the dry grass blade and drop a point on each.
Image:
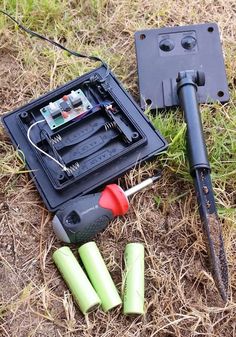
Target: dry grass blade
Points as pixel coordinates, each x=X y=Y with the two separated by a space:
x=180 y=298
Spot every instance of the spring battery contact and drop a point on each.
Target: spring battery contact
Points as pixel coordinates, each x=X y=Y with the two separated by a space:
x=110 y=125
x=71 y=169
x=56 y=139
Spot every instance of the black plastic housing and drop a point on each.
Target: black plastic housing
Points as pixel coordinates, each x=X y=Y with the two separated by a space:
x=162 y=53
x=102 y=166
x=197 y=151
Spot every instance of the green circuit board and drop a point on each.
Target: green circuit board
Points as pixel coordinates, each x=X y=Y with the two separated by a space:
x=64 y=117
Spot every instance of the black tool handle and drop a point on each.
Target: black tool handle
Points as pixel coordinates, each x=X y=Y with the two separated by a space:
x=197 y=152
x=81 y=219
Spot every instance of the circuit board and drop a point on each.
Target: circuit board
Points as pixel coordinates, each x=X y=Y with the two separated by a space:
x=108 y=136
x=65 y=109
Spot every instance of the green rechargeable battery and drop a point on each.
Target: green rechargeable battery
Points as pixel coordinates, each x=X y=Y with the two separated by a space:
x=99 y=276
x=133 y=296
x=76 y=279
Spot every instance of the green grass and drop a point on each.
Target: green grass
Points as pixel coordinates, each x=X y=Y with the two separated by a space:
x=105 y=28
x=219 y=124
x=54 y=19
x=40 y=15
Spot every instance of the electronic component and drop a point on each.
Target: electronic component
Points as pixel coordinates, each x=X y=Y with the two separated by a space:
x=56 y=114
x=54 y=108
x=65 y=109
x=107 y=136
x=34 y=131
x=75 y=99
x=65 y=106
x=65 y=114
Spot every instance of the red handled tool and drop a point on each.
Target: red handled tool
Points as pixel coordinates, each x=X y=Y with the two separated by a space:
x=83 y=217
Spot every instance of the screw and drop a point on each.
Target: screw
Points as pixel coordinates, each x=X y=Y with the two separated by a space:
x=205 y=189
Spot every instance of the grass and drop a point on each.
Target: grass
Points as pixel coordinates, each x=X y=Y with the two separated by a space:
x=181 y=299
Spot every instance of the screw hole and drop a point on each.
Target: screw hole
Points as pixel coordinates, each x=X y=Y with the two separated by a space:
x=210 y=29
x=220 y=93
x=61 y=177
x=135 y=135
x=24 y=114
x=148 y=101
x=142 y=36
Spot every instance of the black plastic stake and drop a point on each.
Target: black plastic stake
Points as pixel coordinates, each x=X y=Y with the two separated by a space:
x=187 y=85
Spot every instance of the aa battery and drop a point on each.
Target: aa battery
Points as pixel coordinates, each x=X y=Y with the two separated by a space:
x=99 y=276
x=133 y=296
x=76 y=279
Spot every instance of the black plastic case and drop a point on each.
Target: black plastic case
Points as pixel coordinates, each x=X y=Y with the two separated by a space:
x=133 y=139
x=162 y=53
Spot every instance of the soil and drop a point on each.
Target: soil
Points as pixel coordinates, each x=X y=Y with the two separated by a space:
x=180 y=295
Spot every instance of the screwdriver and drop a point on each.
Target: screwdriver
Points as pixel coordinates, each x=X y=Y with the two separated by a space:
x=81 y=218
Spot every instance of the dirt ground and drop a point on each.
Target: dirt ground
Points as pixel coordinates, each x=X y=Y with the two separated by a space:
x=180 y=295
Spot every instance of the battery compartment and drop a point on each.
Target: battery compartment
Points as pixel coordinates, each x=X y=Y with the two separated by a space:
x=86 y=143
x=90 y=125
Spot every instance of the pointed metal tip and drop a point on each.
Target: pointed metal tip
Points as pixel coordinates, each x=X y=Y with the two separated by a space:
x=223 y=290
x=224 y=296
x=217 y=254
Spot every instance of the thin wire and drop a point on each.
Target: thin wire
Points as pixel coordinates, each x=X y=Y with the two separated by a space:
x=64 y=168
x=49 y=139
x=72 y=52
